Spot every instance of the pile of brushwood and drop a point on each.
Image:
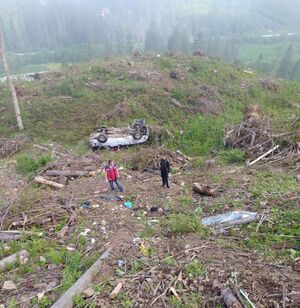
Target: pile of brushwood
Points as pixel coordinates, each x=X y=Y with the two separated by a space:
x=150 y=158
x=9 y=147
x=255 y=136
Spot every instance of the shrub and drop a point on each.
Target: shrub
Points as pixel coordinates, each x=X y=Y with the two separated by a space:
x=29 y=165
x=195 y=269
x=182 y=223
x=233 y=156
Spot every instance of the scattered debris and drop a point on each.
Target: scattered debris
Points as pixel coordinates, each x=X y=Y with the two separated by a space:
x=254 y=136
x=81 y=284
x=86 y=205
x=205 y=190
x=245 y=295
x=148 y=161
x=210 y=163
x=116 y=290
x=12 y=235
x=128 y=204
x=22 y=255
x=9 y=147
x=231 y=218
x=9 y=285
x=85 y=232
x=264 y=155
x=121 y=263
x=178 y=74
x=89 y=292
x=111 y=197
x=270 y=85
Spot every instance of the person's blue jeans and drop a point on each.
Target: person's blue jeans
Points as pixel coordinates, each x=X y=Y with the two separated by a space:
x=111 y=183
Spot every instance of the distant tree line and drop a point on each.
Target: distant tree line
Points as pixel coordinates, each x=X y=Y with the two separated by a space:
x=43 y=31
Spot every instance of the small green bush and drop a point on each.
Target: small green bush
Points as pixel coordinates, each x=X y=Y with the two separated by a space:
x=195 y=269
x=182 y=223
x=28 y=165
x=233 y=156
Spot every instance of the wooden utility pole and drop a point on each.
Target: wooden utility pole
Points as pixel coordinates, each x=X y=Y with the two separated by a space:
x=10 y=83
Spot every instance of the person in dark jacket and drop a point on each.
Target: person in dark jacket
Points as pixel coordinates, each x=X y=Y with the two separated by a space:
x=164 y=171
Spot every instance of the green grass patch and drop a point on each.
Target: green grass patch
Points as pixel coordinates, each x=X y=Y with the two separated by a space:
x=28 y=165
x=182 y=223
x=232 y=156
x=273 y=184
x=195 y=269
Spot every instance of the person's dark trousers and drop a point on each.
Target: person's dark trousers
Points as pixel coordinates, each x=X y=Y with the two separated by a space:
x=111 y=183
x=165 y=180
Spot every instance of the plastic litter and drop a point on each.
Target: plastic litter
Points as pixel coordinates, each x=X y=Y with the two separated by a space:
x=128 y=204
x=86 y=205
x=111 y=197
x=136 y=240
x=231 y=218
x=121 y=263
x=103 y=230
x=85 y=232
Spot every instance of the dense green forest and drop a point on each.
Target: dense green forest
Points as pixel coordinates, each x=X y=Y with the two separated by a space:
x=261 y=34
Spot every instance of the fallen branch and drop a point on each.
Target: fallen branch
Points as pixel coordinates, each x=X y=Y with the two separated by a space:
x=81 y=284
x=245 y=295
x=262 y=219
x=13 y=258
x=264 y=155
x=29 y=298
x=42 y=180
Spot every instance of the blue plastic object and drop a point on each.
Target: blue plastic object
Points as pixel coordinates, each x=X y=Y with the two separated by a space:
x=128 y=204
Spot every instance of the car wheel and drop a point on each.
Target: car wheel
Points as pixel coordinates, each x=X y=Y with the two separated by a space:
x=144 y=130
x=137 y=135
x=102 y=138
x=137 y=126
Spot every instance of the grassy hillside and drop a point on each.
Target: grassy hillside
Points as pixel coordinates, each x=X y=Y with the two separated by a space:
x=65 y=107
x=161 y=241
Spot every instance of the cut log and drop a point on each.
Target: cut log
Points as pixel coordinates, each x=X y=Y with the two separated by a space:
x=67 y=173
x=66 y=301
x=205 y=190
x=41 y=180
x=229 y=299
x=13 y=258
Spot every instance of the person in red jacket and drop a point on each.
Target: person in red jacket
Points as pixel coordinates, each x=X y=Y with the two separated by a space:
x=112 y=175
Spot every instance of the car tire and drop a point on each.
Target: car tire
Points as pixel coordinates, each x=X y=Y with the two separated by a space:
x=102 y=138
x=137 y=135
x=144 y=130
x=137 y=126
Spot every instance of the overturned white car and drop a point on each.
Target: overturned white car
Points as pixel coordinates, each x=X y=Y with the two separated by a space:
x=111 y=137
